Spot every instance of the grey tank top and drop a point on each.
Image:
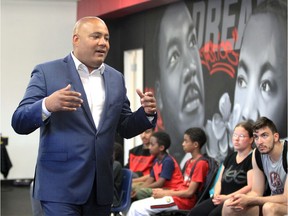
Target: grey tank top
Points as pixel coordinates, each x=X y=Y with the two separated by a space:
x=275 y=174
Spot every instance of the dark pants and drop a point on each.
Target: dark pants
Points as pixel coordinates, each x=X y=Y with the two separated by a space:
x=206 y=208
x=64 y=209
x=90 y=208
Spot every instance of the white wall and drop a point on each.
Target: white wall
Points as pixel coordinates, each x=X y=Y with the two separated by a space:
x=32 y=32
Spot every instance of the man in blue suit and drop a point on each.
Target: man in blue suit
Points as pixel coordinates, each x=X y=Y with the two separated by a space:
x=79 y=103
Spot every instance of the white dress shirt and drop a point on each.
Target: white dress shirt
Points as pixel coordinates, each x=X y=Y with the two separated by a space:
x=93 y=84
x=94 y=87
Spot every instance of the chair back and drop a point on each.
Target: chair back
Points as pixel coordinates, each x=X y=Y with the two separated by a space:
x=125 y=193
x=210 y=178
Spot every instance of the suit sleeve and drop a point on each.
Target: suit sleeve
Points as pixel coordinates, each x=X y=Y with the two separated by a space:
x=131 y=123
x=28 y=115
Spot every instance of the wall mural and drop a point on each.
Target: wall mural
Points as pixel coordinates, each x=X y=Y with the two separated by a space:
x=217 y=63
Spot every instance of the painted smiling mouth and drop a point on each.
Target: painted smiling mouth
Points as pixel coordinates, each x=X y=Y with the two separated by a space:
x=192 y=99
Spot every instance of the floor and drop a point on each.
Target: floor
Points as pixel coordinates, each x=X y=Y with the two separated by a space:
x=15 y=198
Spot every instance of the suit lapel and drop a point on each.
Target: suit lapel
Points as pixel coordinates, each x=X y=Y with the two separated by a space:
x=77 y=85
x=107 y=93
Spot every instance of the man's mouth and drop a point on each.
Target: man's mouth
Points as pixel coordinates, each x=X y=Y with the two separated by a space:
x=261 y=148
x=192 y=99
x=100 y=51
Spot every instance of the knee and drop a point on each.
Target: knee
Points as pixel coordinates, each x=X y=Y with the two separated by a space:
x=225 y=209
x=131 y=209
x=268 y=209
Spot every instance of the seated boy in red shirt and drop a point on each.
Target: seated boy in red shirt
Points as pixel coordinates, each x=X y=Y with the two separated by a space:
x=140 y=160
x=165 y=172
x=184 y=196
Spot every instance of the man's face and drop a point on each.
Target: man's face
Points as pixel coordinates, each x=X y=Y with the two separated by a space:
x=261 y=86
x=91 y=43
x=188 y=145
x=264 y=139
x=145 y=136
x=154 y=146
x=181 y=81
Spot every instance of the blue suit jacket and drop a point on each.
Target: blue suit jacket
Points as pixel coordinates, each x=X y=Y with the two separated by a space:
x=72 y=151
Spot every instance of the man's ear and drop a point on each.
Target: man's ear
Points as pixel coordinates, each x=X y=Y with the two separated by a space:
x=75 y=40
x=158 y=96
x=161 y=147
x=276 y=137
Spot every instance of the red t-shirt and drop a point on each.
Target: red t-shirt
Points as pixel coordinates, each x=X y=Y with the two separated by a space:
x=199 y=175
x=168 y=169
x=140 y=160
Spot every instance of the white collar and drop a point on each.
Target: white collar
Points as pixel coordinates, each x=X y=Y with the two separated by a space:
x=80 y=65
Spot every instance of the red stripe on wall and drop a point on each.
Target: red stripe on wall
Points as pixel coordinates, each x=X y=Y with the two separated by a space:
x=115 y=8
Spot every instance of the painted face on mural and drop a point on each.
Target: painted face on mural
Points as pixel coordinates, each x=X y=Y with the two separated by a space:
x=261 y=85
x=180 y=89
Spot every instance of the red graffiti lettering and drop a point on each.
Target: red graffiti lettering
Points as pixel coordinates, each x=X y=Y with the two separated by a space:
x=220 y=57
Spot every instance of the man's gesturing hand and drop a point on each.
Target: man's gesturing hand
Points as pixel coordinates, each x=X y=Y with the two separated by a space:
x=148 y=101
x=63 y=100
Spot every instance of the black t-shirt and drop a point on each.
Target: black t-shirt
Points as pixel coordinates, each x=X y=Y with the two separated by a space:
x=235 y=175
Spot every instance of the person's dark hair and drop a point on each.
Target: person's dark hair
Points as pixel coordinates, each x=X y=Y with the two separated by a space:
x=158 y=22
x=277 y=7
x=155 y=40
x=163 y=139
x=279 y=10
x=247 y=125
x=197 y=135
x=265 y=122
x=118 y=152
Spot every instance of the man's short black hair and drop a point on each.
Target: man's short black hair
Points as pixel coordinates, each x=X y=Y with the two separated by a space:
x=163 y=139
x=265 y=122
